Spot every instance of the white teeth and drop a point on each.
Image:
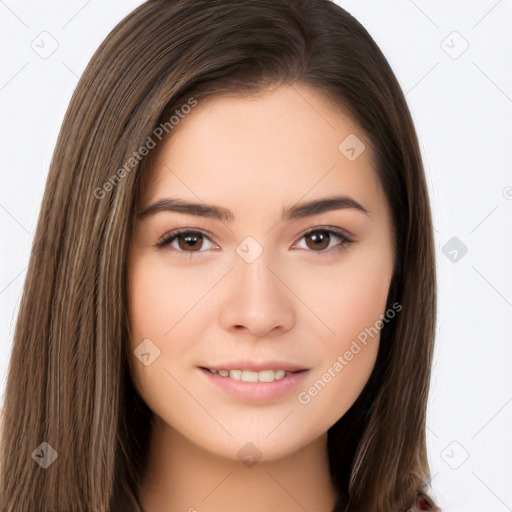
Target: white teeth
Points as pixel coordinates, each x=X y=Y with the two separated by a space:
x=235 y=374
x=248 y=376
x=253 y=376
x=266 y=376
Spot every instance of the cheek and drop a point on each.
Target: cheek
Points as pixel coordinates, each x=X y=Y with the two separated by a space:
x=350 y=302
x=349 y=352
x=360 y=305
x=160 y=297
x=346 y=298
x=331 y=392
x=154 y=308
x=162 y=308
x=163 y=303
x=361 y=297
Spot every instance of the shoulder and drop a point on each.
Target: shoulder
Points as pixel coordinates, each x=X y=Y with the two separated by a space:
x=423 y=503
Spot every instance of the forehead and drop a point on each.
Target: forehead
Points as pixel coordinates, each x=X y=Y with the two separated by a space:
x=280 y=145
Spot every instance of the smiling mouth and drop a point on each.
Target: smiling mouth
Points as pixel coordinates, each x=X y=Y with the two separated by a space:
x=252 y=376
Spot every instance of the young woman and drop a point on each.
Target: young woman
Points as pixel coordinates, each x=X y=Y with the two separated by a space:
x=230 y=303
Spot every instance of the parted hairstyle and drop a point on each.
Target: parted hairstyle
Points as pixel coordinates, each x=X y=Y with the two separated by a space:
x=69 y=382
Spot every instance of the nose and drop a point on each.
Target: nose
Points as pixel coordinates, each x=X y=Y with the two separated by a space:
x=256 y=299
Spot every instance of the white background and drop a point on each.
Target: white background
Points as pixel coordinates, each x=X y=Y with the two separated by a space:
x=462 y=107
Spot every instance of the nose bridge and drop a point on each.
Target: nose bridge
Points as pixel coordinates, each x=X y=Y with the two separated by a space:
x=255 y=298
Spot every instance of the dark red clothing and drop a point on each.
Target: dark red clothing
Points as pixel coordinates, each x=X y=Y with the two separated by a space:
x=423 y=503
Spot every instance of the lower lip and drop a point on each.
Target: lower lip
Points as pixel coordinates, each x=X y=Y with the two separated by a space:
x=256 y=390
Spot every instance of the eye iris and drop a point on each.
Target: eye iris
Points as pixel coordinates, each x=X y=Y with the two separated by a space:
x=320 y=238
x=190 y=241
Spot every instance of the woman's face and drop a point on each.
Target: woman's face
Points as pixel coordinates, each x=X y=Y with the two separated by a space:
x=264 y=276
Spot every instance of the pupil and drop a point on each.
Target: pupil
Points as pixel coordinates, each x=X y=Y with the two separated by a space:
x=191 y=242
x=318 y=238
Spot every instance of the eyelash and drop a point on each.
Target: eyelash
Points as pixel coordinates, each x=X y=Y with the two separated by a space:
x=168 y=238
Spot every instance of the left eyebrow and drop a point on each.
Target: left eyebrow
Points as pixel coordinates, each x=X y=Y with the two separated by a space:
x=319 y=206
x=297 y=211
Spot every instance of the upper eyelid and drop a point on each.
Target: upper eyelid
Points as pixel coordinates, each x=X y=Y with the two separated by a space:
x=334 y=229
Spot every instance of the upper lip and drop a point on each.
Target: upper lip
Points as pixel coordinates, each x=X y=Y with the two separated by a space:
x=255 y=366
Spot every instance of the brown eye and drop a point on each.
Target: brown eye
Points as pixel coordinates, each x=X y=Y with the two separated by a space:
x=190 y=242
x=319 y=240
x=186 y=241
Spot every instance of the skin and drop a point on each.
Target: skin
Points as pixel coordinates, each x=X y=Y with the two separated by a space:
x=300 y=300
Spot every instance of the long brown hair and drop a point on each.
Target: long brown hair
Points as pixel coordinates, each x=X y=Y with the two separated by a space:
x=69 y=379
